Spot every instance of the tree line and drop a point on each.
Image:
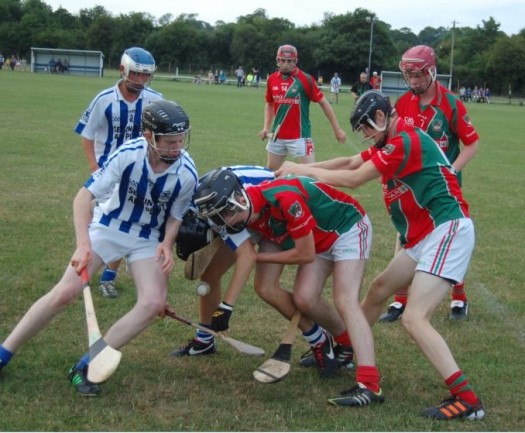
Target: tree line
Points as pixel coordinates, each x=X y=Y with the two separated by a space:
x=484 y=56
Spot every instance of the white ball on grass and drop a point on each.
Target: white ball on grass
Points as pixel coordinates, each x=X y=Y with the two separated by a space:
x=203 y=288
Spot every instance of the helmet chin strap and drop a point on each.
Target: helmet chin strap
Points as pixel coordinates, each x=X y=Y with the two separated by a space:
x=381 y=143
x=241 y=226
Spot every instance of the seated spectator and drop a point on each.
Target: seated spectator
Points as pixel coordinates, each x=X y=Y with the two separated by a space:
x=65 y=65
x=1 y=61
x=52 y=66
x=58 y=66
x=222 y=77
x=197 y=79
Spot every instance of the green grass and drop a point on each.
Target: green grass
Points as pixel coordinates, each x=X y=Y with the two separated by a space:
x=43 y=167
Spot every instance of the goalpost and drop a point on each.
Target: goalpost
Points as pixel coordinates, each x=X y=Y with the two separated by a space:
x=393 y=84
x=79 y=62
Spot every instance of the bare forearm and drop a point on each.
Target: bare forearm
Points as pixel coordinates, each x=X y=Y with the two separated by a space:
x=89 y=151
x=82 y=216
x=289 y=257
x=464 y=157
x=243 y=267
x=342 y=163
x=172 y=229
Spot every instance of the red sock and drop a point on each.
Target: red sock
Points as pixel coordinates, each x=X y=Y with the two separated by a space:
x=343 y=339
x=458 y=292
x=401 y=296
x=368 y=375
x=460 y=387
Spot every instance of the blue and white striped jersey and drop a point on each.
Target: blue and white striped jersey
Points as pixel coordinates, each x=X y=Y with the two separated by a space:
x=248 y=175
x=142 y=200
x=110 y=120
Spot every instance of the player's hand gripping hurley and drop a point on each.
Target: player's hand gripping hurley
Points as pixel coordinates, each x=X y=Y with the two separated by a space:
x=104 y=360
x=279 y=365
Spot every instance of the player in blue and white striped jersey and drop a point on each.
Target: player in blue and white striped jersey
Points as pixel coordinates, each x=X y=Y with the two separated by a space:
x=114 y=117
x=153 y=180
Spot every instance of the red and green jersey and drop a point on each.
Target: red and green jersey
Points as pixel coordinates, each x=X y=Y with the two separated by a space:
x=420 y=188
x=445 y=119
x=291 y=95
x=292 y=207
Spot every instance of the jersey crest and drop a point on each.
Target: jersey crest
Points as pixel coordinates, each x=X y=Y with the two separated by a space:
x=296 y=210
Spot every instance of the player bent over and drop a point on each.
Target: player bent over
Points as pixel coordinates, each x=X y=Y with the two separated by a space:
x=324 y=231
x=237 y=250
x=424 y=199
x=153 y=180
x=194 y=235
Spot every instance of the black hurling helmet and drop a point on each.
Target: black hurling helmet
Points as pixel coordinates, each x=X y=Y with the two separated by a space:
x=217 y=198
x=365 y=110
x=166 y=118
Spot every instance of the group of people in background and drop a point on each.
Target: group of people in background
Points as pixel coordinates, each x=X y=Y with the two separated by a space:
x=469 y=94
x=358 y=88
x=58 y=66
x=143 y=183
x=252 y=78
x=13 y=62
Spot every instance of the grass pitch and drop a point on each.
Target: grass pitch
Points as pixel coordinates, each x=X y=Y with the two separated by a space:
x=43 y=167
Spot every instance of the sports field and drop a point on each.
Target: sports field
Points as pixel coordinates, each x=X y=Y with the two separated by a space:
x=42 y=168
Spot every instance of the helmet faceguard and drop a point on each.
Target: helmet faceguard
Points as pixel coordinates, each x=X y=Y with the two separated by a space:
x=286 y=59
x=365 y=111
x=137 y=67
x=419 y=62
x=220 y=197
x=166 y=118
x=174 y=150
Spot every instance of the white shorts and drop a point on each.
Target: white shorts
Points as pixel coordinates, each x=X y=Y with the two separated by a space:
x=446 y=251
x=296 y=148
x=354 y=244
x=111 y=245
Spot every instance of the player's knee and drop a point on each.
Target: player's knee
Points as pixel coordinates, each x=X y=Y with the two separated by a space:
x=151 y=308
x=304 y=303
x=378 y=291
x=412 y=321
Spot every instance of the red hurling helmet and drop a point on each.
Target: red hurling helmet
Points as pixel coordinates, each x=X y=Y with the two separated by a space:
x=418 y=58
x=287 y=52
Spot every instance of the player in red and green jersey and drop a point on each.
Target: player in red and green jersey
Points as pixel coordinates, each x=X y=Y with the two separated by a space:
x=324 y=231
x=289 y=92
x=432 y=107
x=424 y=200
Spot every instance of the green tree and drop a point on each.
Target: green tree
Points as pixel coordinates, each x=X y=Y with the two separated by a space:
x=344 y=45
x=506 y=64
x=99 y=36
x=129 y=30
